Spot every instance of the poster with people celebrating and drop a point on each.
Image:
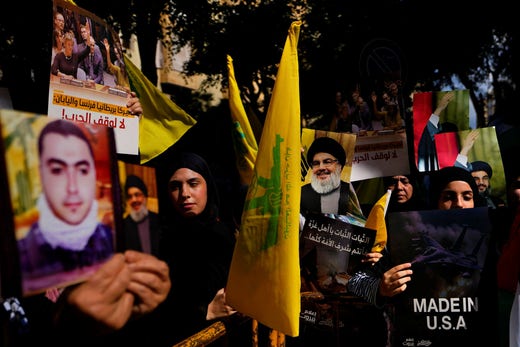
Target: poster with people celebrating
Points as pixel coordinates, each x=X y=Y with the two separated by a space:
x=88 y=79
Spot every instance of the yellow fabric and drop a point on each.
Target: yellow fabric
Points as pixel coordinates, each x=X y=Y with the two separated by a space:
x=264 y=279
x=376 y=221
x=245 y=144
x=163 y=122
x=117 y=72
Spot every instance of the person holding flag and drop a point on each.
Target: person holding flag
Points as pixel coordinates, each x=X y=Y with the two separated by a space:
x=450 y=188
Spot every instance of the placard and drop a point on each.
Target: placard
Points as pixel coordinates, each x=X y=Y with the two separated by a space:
x=444 y=302
x=330 y=251
x=61 y=201
x=84 y=94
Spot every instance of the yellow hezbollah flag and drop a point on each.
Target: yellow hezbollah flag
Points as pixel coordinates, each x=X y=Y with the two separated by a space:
x=376 y=221
x=163 y=122
x=244 y=139
x=264 y=279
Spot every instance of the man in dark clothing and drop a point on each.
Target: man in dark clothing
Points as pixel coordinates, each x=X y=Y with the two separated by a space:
x=141 y=226
x=327 y=193
x=482 y=173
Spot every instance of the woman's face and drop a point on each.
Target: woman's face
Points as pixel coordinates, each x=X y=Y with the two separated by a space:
x=402 y=189
x=69 y=46
x=456 y=194
x=189 y=192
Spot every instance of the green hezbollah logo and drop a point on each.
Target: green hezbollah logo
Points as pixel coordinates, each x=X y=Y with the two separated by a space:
x=239 y=139
x=266 y=196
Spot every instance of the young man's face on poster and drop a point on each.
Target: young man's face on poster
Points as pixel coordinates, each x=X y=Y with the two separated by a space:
x=68 y=177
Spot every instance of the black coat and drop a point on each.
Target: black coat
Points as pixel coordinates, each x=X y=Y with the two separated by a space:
x=311 y=201
x=131 y=234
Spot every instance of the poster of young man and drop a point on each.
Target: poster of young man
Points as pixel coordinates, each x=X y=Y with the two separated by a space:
x=62 y=199
x=446 y=302
x=88 y=79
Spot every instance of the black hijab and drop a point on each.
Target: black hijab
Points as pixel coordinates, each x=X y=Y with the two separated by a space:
x=441 y=178
x=198 y=251
x=196 y=163
x=416 y=201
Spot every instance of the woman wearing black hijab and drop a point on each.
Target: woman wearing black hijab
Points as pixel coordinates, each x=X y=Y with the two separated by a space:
x=197 y=246
x=453 y=187
x=406 y=195
x=450 y=188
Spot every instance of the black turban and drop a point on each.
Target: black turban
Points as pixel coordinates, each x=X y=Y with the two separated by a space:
x=327 y=145
x=481 y=166
x=134 y=181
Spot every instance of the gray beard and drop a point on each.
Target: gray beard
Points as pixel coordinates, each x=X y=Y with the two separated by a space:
x=328 y=185
x=139 y=215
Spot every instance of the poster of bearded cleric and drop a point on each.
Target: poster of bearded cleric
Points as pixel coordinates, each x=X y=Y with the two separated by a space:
x=446 y=302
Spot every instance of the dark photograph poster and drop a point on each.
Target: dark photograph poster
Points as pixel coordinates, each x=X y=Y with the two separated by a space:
x=61 y=200
x=141 y=221
x=445 y=301
x=330 y=251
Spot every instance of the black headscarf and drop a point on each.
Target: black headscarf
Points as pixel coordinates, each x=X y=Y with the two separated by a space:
x=196 y=163
x=441 y=178
x=416 y=201
x=198 y=251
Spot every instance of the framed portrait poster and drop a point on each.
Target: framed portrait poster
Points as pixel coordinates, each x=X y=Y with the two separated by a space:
x=61 y=201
